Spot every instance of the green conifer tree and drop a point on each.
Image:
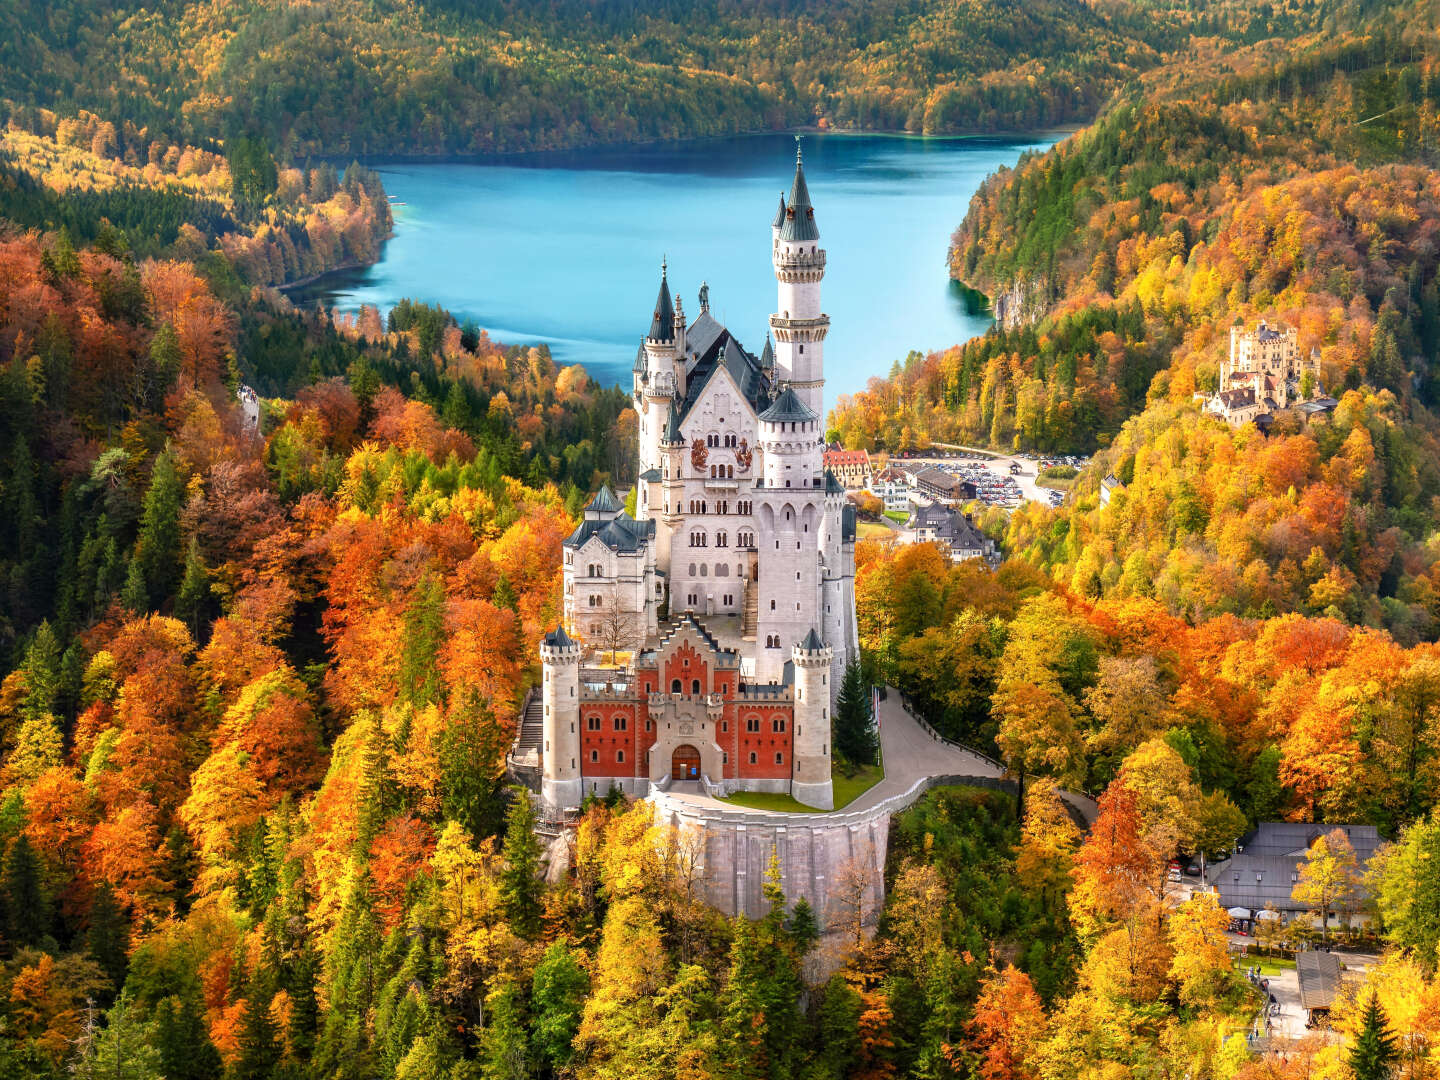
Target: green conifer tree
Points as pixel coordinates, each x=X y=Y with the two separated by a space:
x=1373 y=1055
x=182 y=1038
x=424 y=634
x=192 y=602
x=42 y=674
x=157 y=551
x=853 y=733
x=260 y=1048
x=108 y=937
x=27 y=908
x=504 y=1049
x=520 y=887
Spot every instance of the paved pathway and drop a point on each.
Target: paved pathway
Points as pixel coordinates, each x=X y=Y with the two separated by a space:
x=910 y=754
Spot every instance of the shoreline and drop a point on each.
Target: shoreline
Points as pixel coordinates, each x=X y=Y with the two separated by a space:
x=521 y=157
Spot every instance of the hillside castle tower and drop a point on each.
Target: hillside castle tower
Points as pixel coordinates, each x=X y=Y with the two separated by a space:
x=728 y=598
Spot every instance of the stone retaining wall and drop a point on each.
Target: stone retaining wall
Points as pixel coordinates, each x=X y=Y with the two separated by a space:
x=834 y=860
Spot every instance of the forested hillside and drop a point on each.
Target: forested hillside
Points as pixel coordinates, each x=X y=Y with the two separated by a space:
x=400 y=76
x=1291 y=183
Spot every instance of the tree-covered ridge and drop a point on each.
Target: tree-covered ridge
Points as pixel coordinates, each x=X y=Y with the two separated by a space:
x=269 y=223
x=1176 y=149
x=406 y=77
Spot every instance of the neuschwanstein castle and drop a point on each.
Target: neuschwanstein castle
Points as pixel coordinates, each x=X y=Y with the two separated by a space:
x=731 y=590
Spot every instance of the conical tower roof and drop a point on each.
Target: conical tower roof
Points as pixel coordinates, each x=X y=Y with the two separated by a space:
x=672 y=426
x=662 y=326
x=799 y=214
x=605 y=501
x=767 y=355
x=779 y=214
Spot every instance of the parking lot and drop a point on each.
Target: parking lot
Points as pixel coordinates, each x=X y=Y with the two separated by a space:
x=999 y=481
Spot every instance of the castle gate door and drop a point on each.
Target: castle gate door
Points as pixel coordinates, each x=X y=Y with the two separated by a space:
x=685 y=763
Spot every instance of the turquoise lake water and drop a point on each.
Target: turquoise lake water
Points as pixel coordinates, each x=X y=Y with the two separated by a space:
x=566 y=248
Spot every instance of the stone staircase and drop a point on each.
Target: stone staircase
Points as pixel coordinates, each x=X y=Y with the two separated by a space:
x=751 y=616
x=532 y=728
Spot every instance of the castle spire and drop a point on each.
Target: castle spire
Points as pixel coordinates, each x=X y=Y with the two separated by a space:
x=662 y=325
x=799 y=224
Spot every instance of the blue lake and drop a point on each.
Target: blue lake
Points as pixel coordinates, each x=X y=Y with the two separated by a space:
x=565 y=248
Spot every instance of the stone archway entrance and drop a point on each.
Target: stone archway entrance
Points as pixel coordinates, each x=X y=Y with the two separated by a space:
x=685 y=763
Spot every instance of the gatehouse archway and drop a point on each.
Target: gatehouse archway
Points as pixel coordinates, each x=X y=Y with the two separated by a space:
x=685 y=763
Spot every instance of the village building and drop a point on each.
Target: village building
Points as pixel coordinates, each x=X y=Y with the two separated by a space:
x=1265 y=867
x=933 y=482
x=893 y=488
x=1108 y=487
x=954 y=531
x=850 y=467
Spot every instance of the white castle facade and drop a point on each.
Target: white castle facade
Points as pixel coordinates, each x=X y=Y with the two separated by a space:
x=739 y=558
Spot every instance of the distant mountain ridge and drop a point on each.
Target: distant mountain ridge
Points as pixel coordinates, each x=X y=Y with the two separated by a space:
x=395 y=76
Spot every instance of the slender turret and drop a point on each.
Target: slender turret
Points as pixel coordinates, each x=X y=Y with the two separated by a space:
x=799 y=325
x=561 y=786
x=810 y=780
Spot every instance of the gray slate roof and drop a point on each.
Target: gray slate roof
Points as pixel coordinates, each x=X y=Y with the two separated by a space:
x=779 y=214
x=605 y=501
x=1263 y=870
x=557 y=638
x=847 y=523
x=799 y=223
x=812 y=642
x=662 y=325
x=788 y=407
x=621 y=533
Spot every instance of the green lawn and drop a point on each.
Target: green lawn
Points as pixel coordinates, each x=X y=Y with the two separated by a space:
x=847 y=790
x=870 y=530
x=1268 y=965
x=897 y=516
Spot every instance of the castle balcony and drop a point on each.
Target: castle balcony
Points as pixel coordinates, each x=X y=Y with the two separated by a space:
x=765 y=693
x=716 y=483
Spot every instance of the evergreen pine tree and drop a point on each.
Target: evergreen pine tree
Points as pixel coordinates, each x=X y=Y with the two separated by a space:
x=505 y=1052
x=135 y=596
x=260 y=1049
x=456 y=412
x=192 y=602
x=853 y=733
x=42 y=674
x=27 y=909
x=1373 y=1054
x=379 y=796
x=108 y=937
x=165 y=359
x=123 y=1050
x=804 y=928
x=182 y=1038
x=504 y=595
x=424 y=634
x=520 y=888
x=157 y=551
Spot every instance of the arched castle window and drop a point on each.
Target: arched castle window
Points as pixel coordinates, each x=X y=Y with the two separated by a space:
x=620 y=756
x=594 y=755
x=753 y=757
x=695 y=686
x=778 y=726
x=779 y=758
x=752 y=723
x=722 y=538
x=621 y=722
x=675 y=686
x=592 y=723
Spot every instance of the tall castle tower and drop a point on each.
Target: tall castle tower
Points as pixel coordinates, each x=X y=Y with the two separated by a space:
x=560 y=656
x=799 y=325
x=813 y=660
